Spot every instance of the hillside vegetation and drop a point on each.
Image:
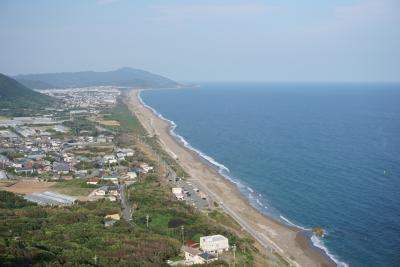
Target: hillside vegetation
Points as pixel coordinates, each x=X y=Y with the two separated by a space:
x=75 y=236
x=15 y=95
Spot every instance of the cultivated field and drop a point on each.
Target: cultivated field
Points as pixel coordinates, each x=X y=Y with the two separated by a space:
x=27 y=187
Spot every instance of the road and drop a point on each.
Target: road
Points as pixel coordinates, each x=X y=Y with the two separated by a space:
x=126 y=209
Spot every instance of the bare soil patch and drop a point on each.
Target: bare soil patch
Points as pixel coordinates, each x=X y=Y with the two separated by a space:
x=109 y=123
x=27 y=187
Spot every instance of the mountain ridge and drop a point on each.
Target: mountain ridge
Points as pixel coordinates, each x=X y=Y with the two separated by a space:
x=124 y=77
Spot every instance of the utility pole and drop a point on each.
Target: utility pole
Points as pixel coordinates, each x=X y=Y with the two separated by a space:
x=183 y=234
x=234 y=254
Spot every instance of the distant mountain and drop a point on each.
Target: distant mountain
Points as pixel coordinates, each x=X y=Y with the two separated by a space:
x=35 y=84
x=122 y=77
x=15 y=95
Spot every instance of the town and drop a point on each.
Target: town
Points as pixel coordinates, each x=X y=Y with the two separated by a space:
x=78 y=152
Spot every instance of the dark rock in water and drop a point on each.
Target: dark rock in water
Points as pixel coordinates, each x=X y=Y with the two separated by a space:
x=319 y=231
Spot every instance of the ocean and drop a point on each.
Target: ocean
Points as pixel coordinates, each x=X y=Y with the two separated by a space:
x=308 y=154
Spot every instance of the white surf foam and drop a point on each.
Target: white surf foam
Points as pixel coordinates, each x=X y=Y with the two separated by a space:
x=259 y=202
x=293 y=224
x=250 y=189
x=319 y=243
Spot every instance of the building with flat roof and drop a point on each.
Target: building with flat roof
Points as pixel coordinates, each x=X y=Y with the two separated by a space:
x=214 y=243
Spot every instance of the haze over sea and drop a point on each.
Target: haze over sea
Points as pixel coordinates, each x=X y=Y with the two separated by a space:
x=318 y=154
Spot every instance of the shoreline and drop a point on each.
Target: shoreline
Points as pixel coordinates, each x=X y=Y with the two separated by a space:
x=289 y=242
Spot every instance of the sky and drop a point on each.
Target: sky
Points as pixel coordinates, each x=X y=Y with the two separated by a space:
x=253 y=40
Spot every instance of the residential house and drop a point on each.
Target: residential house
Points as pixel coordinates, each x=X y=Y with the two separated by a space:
x=194 y=255
x=60 y=168
x=127 y=152
x=120 y=156
x=81 y=172
x=112 y=179
x=146 y=168
x=112 y=198
x=114 y=216
x=93 y=181
x=109 y=159
x=101 y=140
x=131 y=175
x=102 y=191
x=178 y=192
x=191 y=255
x=113 y=190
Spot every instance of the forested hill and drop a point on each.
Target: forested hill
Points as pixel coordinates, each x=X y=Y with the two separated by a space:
x=128 y=77
x=15 y=95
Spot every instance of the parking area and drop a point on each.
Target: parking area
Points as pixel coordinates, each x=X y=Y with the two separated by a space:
x=191 y=194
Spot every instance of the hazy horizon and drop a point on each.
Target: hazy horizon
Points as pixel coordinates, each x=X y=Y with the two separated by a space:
x=260 y=41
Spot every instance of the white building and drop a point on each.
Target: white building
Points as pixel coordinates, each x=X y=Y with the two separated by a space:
x=3 y=175
x=112 y=198
x=178 y=192
x=102 y=191
x=214 y=243
x=121 y=156
x=145 y=167
x=110 y=159
x=113 y=179
x=132 y=175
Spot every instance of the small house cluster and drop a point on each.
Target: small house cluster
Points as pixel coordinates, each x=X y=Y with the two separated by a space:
x=208 y=250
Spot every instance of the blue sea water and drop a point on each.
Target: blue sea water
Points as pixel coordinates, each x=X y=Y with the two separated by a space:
x=317 y=154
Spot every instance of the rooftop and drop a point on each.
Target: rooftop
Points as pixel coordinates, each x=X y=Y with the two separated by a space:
x=213 y=238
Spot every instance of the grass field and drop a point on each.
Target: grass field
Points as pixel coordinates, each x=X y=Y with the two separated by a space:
x=126 y=119
x=75 y=187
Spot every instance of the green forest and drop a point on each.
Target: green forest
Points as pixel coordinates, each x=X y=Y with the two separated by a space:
x=32 y=235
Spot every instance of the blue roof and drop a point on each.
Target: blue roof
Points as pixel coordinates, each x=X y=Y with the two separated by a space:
x=207 y=256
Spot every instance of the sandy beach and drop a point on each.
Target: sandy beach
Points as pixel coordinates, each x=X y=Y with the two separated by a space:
x=289 y=242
